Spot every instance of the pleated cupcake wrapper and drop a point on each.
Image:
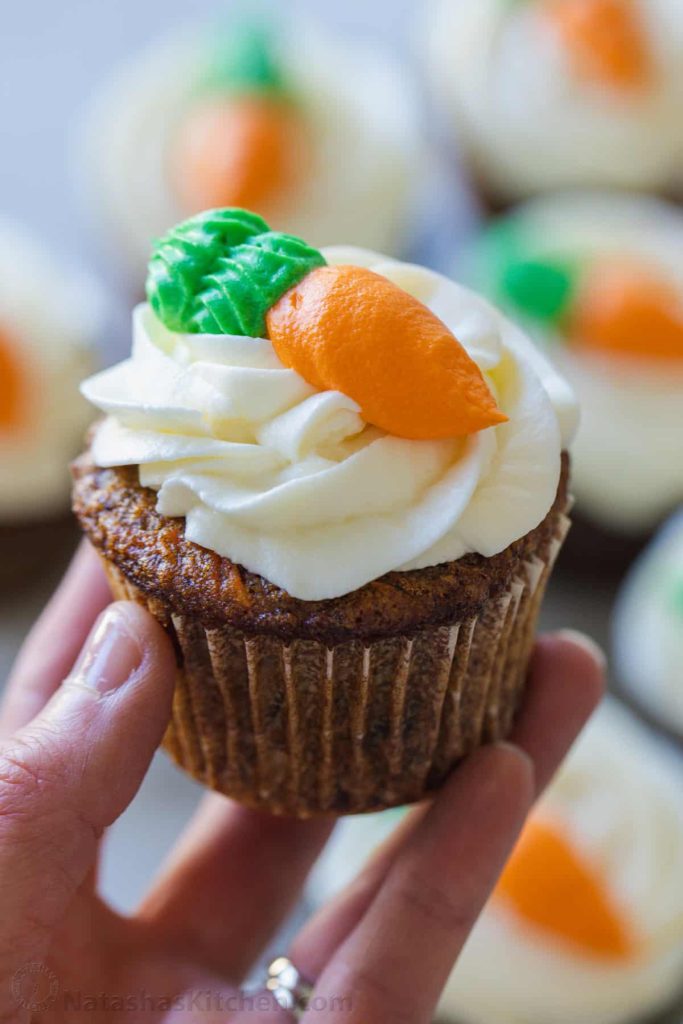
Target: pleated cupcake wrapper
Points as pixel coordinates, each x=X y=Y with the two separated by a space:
x=302 y=728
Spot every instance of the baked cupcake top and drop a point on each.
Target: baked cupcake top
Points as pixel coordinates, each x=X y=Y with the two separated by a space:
x=323 y=418
x=548 y=94
x=648 y=629
x=597 y=281
x=586 y=923
x=323 y=137
x=49 y=318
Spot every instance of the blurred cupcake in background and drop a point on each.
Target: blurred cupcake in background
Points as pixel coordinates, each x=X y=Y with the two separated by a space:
x=49 y=318
x=597 y=280
x=586 y=923
x=321 y=137
x=648 y=631
x=550 y=94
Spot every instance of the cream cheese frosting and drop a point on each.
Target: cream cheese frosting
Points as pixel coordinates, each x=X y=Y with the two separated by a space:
x=367 y=147
x=627 y=469
x=281 y=478
x=49 y=319
x=648 y=628
x=529 y=123
x=619 y=797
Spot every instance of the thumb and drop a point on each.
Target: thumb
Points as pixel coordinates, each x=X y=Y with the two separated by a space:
x=74 y=769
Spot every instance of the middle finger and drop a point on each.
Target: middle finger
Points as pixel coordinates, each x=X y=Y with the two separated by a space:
x=565 y=684
x=395 y=962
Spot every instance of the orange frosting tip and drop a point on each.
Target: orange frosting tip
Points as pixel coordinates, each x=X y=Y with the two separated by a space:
x=605 y=40
x=627 y=309
x=553 y=887
x=12 y=394
x=348 y=329
x=237 y=151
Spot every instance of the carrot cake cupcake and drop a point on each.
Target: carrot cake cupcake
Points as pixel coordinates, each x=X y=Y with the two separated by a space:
x=586 y=923
x=340 y=482
x=551 y=94
x=49 y=319
x=323 y=136
x=597 y=281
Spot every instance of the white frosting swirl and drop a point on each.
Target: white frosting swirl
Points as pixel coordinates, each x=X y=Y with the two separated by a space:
x=363 y=120
x=648 y=628
x=283 y=479
x=627 y=469
x=619 y=797
x=49 y=318
x=530 y=123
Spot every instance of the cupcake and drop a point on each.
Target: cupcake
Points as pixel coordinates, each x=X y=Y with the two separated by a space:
x=48 y=321
x=552 y=94
x=340 y=482
x=648 y=631
x=322 y=136
x=596 y=280
x=586 y=923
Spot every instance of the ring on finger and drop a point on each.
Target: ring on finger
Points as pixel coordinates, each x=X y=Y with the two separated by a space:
x=289 y=988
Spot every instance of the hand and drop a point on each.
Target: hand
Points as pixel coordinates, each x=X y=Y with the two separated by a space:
x=78 y=733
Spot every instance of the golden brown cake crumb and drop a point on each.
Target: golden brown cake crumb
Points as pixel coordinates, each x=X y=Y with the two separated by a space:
x=120 y=518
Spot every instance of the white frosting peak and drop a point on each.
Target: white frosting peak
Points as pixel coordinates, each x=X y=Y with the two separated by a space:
x=281 y=478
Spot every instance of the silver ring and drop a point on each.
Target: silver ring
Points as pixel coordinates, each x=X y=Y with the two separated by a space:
x=289 y=988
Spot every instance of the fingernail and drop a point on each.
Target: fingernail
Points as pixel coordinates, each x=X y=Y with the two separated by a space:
x=110 y=655
x=587 y=644
x=511 y=748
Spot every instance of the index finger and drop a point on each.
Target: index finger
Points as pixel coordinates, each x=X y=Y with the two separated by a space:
x=49 y=651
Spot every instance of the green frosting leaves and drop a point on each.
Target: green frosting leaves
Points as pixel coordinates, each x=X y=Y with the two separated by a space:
x=677 y=597
x=542 y=289
x=221 y=271
x=244 y=59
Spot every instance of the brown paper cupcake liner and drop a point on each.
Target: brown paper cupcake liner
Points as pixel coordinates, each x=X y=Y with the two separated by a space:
x=302 y=728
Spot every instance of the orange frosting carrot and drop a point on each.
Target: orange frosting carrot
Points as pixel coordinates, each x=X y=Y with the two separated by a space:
x=12 y=396
x=237 y=151
x=630 y=310
x=605 y=40
x=348 y=329
x=551 y=886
